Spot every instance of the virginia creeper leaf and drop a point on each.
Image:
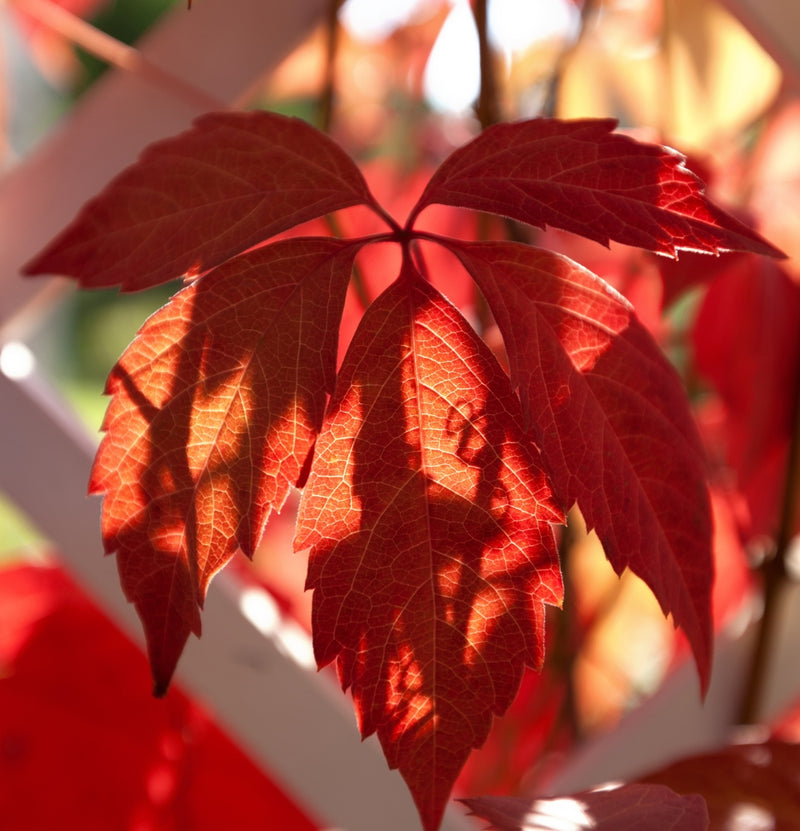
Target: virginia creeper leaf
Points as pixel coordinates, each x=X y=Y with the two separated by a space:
x=612 y=420
x=428 y=507
x=215 y=407
x=429 y=518
x=194 y=200
x=632 y=807
x=580 y=176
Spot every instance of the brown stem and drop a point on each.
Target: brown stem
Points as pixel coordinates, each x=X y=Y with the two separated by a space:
x=568 y=636
x=356 y=277
x=488 y=106
x=775 y=577
x=325 y=119
x=326 y=99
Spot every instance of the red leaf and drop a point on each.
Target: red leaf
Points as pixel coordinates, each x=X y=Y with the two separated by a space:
x=427 y=507
x=71 y=683
x=433 y=552
x=193 y=201
x=531 y=739
x=581 y=177
x=746 y=346
x=612 y=420
x=215 y=407
x=678 y=276
x=745 y=786
x=626 y=808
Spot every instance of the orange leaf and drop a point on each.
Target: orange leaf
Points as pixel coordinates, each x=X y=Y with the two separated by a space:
x=429 y=517
x=215 y=407
x=581 y=177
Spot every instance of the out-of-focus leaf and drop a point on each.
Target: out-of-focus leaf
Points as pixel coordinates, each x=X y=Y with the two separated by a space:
x=745 y=786
x=626 y=808
x=71 y=683
x=746 y=345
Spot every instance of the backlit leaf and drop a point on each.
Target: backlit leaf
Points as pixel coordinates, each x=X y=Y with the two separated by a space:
x=192 y=201
x=582 y=177
x=432 y=481
x=215 y=407
x=612 y=419
x=429 y=518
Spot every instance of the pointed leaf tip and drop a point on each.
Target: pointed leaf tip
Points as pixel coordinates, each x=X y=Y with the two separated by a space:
x=215 y=407
x=433 y=553
x=581 y=176
x=613 y=422
x=160 y=688
x=195 y=200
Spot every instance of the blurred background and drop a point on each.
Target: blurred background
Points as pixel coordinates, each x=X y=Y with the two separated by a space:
x=398 y=84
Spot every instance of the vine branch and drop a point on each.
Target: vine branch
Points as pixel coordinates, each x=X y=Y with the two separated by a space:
x=775 y=576
x=328 y=94
x=487 y=108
